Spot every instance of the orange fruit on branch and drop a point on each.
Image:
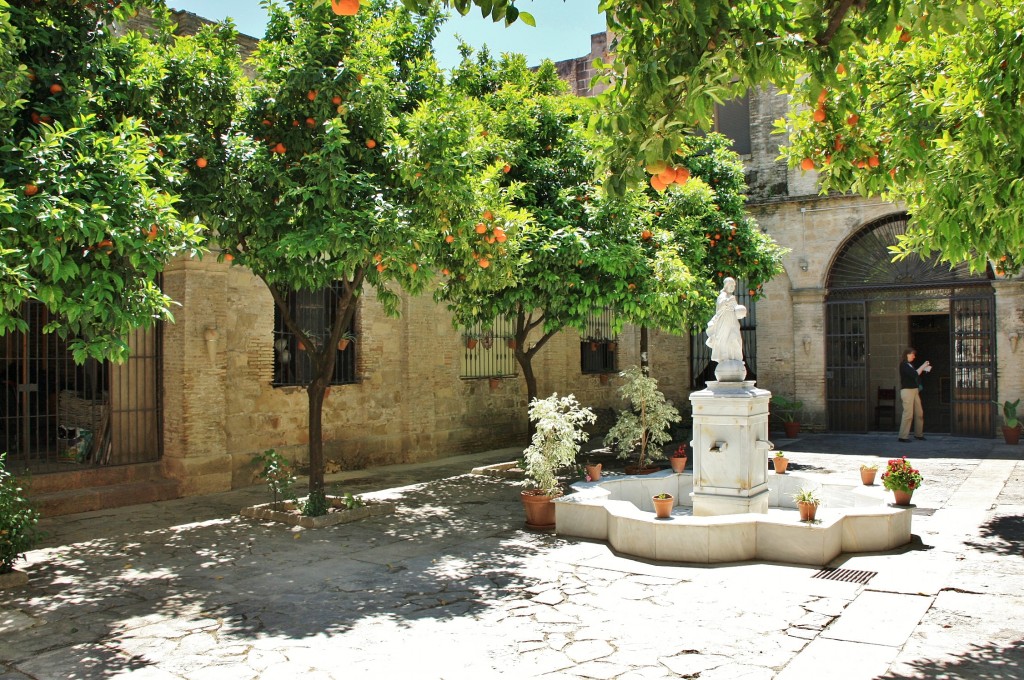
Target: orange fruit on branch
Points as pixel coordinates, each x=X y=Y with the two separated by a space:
x=311 y=95
x=807 y=164
x=56 y=88
x=481 y=227
x=657 y=183
x=201 y=162
x=31 y=189
x=345 y=8
x=484 y=263
x=336 y=100
x=819 y=115
x=853 y=119
x=449 y=238
x=667 y=176
x=371 y=143
x=682 y=175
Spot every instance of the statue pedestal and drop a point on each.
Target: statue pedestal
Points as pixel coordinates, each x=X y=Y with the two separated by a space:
x=730 y=448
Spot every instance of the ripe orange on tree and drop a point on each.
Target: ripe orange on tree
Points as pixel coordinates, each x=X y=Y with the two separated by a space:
x=481 y=227
x=873 y=161
x=507 y=169
x=646 y=234
x=657 y=183
x=280 y=148
x=853 y=119
x=682 y=175
x=484 y=263
x=201 y=162
x=667 y=176
x=807 y=164
x=56 y=88
x=345 y=8
x=449 y=238
x=819 y=115
x=488 y=215
x=31 y=189
x=311 y=95
x=371 y=143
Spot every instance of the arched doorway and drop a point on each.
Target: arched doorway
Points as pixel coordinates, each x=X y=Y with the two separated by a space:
x=875 y=308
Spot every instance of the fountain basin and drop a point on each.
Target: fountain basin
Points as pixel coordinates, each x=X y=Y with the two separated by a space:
x=852 y=519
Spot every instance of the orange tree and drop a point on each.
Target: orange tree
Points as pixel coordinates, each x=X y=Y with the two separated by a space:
x=91 y=170
x=332 y=186
x=935 y=84
x=652 y=257
x=933 y=117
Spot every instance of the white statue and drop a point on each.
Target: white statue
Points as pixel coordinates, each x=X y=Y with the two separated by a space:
x=724 y=337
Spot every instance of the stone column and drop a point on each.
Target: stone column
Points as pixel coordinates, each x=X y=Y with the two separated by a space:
x=194 y=363
x=809 y=352
x=1009 y=341
x=730 y=449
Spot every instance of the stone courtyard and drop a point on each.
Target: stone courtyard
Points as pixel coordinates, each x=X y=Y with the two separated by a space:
x=452 y=586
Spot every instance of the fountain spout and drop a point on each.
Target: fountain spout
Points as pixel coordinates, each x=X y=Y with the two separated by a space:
x=719 y=447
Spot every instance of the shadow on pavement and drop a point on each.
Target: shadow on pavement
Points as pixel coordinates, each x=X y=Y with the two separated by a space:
x=984 y=662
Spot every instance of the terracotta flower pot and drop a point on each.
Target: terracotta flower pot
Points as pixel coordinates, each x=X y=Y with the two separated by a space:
x=594 y=471
x=540 y=511
x=1011 y=435
x=902 y=497
x=342 y=345
x=780 y=465
x=867 y=476
x=792 y=429
x=807 y=511
x=471 y=343
x=603 y=378
x=663 y=506
x=678 y=463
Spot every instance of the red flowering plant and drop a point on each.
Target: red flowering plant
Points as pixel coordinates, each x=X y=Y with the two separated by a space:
x=900 y=476
x=680 y=452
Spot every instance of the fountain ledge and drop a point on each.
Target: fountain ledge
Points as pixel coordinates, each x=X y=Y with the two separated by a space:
x=619 y=510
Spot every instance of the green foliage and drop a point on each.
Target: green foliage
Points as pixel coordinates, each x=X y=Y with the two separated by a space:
x=788 y=410
x=277 y=473
x=1009 y=412
x=316 y=504
x=18 y=519
x=558 y=423
x=807 y=496
x=646 y=419
x=91 y=167
x=930 y=115
x=900 y=476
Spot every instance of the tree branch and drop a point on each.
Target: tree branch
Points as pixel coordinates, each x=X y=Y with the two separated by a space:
x=839 y=13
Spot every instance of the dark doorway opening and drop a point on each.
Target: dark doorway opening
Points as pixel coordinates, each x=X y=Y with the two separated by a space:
x=929 y=334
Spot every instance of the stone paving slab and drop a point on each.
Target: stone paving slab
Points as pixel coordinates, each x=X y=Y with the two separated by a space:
x=879 y=618
x=839 y=660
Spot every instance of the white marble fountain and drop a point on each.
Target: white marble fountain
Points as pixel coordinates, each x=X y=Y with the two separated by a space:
x=730 y=508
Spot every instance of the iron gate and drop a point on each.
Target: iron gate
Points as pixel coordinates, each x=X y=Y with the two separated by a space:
x=56 y=414
x=846 y=366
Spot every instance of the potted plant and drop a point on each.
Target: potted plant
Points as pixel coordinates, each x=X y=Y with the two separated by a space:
x=679 y=458
x=593 y=471
x=788 y=411
x=781 y=462
x=1011 y=424
x=867 y=473
x=470 y=342
x=902 y=479
x=346 y=338
x=644 y=423
x=558 y=423
x=18 y=532
x=663 y=503
x=807 y=502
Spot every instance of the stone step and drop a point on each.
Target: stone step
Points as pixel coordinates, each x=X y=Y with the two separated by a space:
x=100 y=488
x=71 y=501
x=93 y=477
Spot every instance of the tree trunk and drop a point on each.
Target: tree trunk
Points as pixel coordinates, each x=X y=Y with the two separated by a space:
x=315 y=392
x=526 y=363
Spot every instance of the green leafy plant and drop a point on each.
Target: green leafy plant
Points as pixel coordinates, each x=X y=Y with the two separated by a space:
x=1009 y=413
x=807 y=496
x=868 y=466
x=558 y=433
x=18 y=532
x=787 y=409
x=900 y=476
x=277 y=472
x=662 y=496
x=780 y=454
x=316 y=504
x=647 y=419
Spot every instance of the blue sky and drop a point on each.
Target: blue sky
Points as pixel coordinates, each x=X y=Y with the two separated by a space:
x=563 y=27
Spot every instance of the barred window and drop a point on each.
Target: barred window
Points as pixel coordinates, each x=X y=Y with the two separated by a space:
x=598 y=347
x=489 y=353
x=313 y=312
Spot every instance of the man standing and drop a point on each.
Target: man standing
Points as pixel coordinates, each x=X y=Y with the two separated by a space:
x=910 y=395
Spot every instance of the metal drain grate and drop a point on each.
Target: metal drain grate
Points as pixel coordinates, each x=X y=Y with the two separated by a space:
x=847 y=575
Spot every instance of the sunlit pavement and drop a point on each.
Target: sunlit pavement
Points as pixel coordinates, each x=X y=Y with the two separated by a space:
x=452 y=586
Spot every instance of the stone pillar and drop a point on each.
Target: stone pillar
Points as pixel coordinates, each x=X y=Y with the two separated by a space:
x=195 y=370
x=1009 y=341
x=730 y=449
x=809 y=353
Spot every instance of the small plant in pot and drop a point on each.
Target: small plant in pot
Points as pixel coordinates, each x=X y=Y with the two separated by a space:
x=593 y=471
x=1011 y=424
x=867 y=474
x=663 y=503
x=788 y=411
x=807 y=501
x=781 y=462
x=558 y=423
x=902 y=479
x=645 y=422
x=18 y=533
x=679 y=458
